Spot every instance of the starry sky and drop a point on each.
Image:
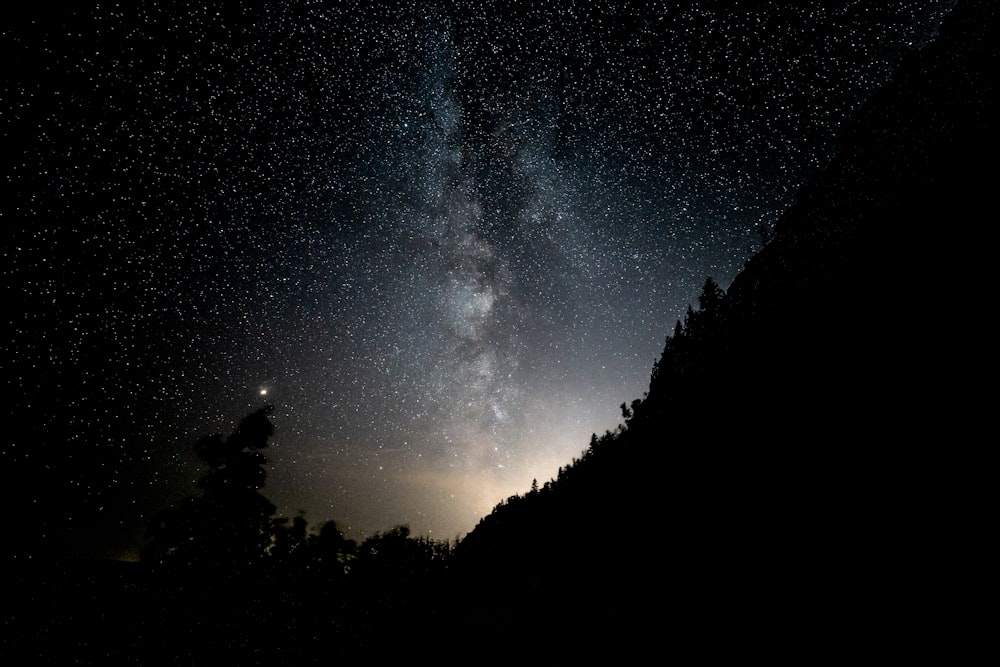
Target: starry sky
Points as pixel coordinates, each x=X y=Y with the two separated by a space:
x=444 y=240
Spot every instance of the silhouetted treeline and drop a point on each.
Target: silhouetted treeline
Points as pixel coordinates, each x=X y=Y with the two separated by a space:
x=258 y=585
x=223 y=580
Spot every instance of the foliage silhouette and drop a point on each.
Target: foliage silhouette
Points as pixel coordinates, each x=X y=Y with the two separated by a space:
x=229 y=573
x=228 y=527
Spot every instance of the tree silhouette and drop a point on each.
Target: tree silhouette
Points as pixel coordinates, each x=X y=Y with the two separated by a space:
x=287 y=540
x=228 y=526
x=711 y=296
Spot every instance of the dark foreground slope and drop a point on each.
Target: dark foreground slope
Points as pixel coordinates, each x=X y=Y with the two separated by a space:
x=785 y=485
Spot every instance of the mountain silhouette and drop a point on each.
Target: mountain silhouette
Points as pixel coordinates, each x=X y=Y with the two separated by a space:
x=786 y=482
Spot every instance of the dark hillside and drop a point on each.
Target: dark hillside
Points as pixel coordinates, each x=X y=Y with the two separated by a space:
x=851 y=291
x=778 y=485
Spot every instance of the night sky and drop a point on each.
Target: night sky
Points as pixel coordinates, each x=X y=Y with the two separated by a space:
x=444 y=241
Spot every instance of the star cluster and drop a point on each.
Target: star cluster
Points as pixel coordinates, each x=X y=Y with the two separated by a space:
x=445 y=241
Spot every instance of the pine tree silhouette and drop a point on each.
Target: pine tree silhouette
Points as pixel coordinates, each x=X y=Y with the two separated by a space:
x=227 y=527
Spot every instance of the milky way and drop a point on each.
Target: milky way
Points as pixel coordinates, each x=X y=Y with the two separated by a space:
x=446 y=241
